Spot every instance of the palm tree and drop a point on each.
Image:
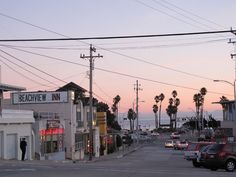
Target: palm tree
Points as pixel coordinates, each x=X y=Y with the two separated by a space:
x=172 y=109
x=174 y=93
x=203 y=92
x=161 y=98
x=157 y=99
x=155 y=109
x=198 y=99
x=177 y=103
x=131 y=116
x=114 y=108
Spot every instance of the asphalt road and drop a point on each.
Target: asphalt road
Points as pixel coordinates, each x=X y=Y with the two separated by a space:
x=152 y=159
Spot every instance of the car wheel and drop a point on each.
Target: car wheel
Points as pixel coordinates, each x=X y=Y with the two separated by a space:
x=196 y=164
x=230 y=165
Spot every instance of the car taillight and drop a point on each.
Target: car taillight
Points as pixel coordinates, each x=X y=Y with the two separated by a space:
x=222 y=154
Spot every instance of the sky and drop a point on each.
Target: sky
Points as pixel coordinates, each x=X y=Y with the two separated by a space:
x=160 y=64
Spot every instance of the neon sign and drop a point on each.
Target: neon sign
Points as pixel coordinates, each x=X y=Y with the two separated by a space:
x=51 y=131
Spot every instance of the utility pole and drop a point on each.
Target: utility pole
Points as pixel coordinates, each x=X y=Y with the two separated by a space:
x=233 y=56
x=91 y=68
x=137 y=88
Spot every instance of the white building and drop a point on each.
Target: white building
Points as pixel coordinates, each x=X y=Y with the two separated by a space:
x=229 y=116
x=15 y=125
x=61 y=121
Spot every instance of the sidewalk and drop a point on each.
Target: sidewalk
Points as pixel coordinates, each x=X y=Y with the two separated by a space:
x=112 y=156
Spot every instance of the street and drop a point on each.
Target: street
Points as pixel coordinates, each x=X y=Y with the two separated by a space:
x=152 y=159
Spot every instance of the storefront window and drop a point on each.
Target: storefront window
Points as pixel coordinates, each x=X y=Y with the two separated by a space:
x=52 y=140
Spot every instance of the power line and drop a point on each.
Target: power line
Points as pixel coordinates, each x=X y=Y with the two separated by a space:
x=121 y=74
x=189 y=12
x=232 y=31
x=123 y=48
x=118 y=37
x=21 y=73
x=102 y=90
x=27 y=70
x=30 y=24
x=142 y=36
x=169 y=15
x=161 y=66
x=183 y=15
x=32 y=66
x=123 y=55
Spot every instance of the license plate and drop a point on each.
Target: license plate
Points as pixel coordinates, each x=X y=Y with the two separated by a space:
x=212 y=156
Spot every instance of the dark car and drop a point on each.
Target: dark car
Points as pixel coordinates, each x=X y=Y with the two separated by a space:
x=201 y=156
x=221 y=156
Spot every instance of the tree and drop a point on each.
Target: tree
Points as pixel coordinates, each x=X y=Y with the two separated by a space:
x=223 y=102
x=198 y=99
x=131 y=116
x=159 y=98
x=111 y=122
x=102 y=107
x=172 y=109
x=155 y=109
x=114 y=108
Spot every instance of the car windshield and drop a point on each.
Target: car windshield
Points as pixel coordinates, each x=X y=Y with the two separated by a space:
x=205 y=148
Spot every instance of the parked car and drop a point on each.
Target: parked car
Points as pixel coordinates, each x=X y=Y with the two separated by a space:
x=221 y=156
x=201 y=156
x=175 y=135
x=192 y=151
x=126 y=139
x=154 y=134
x=181 y=145
x=169 y=144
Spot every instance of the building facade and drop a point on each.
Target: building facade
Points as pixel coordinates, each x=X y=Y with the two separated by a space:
x=61 y=122
x=229 y=116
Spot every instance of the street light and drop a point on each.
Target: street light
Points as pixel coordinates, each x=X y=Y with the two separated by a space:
x=232 y=84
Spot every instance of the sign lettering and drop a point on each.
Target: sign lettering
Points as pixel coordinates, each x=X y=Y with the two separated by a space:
x=39 y=97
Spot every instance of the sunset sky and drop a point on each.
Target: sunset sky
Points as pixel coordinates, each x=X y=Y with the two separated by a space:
x=160 y=64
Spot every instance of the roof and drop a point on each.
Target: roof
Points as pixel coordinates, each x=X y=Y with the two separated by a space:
x=6 y=87
x=71 y=86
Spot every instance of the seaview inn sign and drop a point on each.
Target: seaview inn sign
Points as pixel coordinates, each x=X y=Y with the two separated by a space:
x=39 y=97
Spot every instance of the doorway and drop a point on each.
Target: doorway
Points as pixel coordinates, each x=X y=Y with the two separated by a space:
x=11 y=152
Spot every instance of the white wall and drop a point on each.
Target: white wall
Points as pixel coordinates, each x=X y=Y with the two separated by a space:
x=15 y=124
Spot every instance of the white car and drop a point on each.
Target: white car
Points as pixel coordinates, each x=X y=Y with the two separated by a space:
x=175 y=135
x=155 y=134
x=169 y=144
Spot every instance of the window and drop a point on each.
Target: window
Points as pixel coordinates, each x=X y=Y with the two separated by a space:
x=78 y=141
x=79 y=120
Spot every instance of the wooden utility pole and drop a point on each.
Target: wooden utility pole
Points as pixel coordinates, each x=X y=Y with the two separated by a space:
x=91 y=68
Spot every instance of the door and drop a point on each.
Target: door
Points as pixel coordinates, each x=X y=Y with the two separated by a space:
x=11 y=147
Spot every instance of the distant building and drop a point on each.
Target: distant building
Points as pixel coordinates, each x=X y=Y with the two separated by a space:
x=229 y=115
